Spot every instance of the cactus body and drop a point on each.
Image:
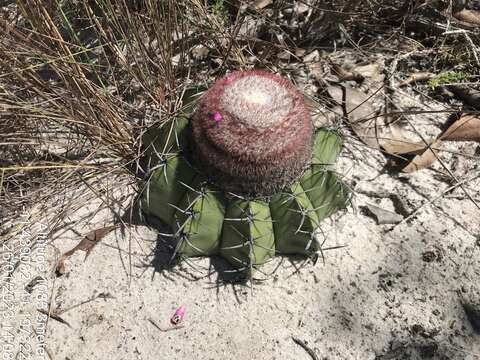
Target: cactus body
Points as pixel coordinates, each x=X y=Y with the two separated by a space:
x=207 y=219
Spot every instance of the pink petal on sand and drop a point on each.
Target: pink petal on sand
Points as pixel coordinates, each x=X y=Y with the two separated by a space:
x=179 y=315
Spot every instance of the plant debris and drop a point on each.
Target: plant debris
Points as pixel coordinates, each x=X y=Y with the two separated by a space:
x=345 y=75
x=305 y=347
x=87 y=244
x=469 y=16
x=31 y=284
x=466 y=128
x=383 y=216
x=416 y=77
x=55 y=316
x=171 y=328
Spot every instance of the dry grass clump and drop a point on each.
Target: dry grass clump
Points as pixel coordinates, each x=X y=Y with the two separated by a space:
x=80 y=80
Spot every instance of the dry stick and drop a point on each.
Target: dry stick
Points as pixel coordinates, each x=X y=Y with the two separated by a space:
x=414 y=212
x=232 y=40
x=45 y=167
x=54 y=316
x=305 y=347
x=166 y=329
x=1 y=180
x=99 y=296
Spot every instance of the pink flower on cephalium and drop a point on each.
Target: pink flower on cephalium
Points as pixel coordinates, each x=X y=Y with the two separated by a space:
x=217 y=117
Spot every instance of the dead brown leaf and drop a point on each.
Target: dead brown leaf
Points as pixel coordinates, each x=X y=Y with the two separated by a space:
x=383 y=216
x=419 y=76
x=87 y=244
x=345 y=75
x=374 y=76
x=396 y=141
x=299 y=52
x=397 y=146
x=378 y=134
x=360 y=113
x=423 y=160
x=466 y=128
x=469 y=16
x=260 y=4
x=336 y=93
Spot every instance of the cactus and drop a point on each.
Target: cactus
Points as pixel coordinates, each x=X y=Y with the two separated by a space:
x=246 y=176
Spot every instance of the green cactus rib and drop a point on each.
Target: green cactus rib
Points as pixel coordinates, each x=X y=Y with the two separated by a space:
x=247 y=238
x=247 y=233
x=295 y=221
x=167 y=138
x=326 y=148
x=166 y=188
x=199 y=219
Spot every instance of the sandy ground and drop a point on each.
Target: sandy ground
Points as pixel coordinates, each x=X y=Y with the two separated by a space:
x=394 y=292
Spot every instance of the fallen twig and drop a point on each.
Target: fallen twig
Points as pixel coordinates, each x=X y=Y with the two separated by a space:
x=345 y=75
x=305 y=347
x=419 y=76
x=166 y=329
x=53 y=315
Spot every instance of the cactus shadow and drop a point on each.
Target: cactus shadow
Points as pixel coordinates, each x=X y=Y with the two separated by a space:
x=163 y=254
x=219 y=271
x=225 y=272
x=163 y=257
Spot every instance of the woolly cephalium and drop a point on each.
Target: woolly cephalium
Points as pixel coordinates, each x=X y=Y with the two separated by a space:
x=264 y=140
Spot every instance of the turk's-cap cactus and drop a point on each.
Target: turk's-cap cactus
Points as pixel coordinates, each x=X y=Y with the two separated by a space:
x=246 y=176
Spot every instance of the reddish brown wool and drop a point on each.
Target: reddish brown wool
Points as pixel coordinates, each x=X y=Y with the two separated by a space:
x=252 y=133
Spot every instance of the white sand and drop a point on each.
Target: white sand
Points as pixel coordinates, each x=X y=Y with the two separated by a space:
x=377 y=296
